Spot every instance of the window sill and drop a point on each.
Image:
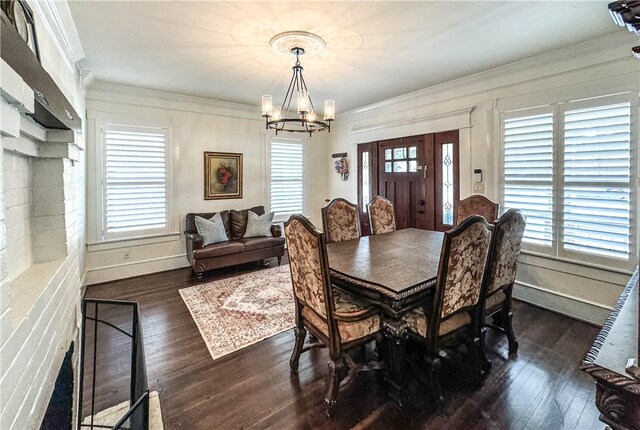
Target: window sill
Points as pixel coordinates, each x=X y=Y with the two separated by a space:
x=133 y=241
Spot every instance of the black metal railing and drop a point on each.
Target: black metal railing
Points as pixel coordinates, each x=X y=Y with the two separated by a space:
x=111 y=363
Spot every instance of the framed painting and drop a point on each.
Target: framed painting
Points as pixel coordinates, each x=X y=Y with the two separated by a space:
x=222 y=175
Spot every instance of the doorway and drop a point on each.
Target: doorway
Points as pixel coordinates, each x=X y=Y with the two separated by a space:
x=418 y=174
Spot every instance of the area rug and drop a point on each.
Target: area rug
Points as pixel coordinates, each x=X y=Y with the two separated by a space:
x=236 y=312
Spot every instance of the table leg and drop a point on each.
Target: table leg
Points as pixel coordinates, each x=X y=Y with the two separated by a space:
x=396 y=333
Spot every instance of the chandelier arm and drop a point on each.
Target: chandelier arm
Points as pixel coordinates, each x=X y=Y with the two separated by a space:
x=288 y=96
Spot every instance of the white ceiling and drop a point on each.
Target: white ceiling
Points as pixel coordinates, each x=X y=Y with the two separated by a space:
x=375 y=50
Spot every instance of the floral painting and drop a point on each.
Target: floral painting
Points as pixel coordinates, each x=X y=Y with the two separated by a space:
x=222 y=175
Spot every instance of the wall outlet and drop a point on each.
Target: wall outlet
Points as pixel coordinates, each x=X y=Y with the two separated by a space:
x=478 y=187
x=125 y=254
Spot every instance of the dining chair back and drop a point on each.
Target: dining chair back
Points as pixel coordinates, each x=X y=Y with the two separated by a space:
x=501 y=271
x=340 y=221
x=476 y=205
x=308 y=265
x=381 y=216
x=463 y=260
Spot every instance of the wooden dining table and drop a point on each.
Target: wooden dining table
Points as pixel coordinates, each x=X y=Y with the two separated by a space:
x=395 y=271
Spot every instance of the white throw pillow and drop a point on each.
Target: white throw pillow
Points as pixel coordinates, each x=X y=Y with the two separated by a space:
x=211 y=230
x=259 y=225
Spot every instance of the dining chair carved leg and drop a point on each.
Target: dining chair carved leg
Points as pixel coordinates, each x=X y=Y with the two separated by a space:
x=300 y=333
x=337 y=371
x=434 y=366
x=507 y=322
x=484 y=360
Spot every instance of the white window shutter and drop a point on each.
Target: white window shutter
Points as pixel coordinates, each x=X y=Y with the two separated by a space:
x=135 y=180
x=528 y=173
x=286 y=178
x=596 y=199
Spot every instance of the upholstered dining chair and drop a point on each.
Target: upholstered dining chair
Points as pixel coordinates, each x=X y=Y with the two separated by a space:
x=340 y=221
x=501 y=272
x=381 y=216
x=336 y=319
x=476 y=205
x=456 y=313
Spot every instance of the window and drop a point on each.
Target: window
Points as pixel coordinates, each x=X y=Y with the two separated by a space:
x=286 y=191
x=134 y=182
x=528 y=172
x=568 y=167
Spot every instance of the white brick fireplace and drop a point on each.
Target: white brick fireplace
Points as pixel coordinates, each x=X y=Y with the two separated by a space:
x=41 y=274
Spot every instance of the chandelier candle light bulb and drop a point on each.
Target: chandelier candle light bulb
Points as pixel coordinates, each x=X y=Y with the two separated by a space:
x=307 y=120
x=276 y=113
x=329 y=110
x=303 y=102
x=267 y=105
x=311 y=116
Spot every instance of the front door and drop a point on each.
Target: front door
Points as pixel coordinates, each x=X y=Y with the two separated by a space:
x=418 y=174
x=405 y=177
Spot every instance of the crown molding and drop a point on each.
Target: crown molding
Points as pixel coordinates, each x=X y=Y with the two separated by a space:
x=457 y=112
x=558 y=56
x=103 y=91
x=58 y=21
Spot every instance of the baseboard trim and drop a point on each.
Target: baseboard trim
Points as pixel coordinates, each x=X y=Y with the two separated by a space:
x=565 y=304
x=99 y=275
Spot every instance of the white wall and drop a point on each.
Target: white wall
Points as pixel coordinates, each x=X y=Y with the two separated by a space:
x=471 y=104
x=39 y=297
x=198 y=125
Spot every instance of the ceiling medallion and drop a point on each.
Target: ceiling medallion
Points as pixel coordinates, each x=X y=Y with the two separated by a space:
x=303 y=119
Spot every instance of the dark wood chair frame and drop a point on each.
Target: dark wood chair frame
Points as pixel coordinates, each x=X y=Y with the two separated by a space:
x=483 y=201
x=329 y=206
x=342 y=368
x=472 y=334
x=502 y=313
x=379 y=197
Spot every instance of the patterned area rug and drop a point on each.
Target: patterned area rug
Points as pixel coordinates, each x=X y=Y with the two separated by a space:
x=236 y=312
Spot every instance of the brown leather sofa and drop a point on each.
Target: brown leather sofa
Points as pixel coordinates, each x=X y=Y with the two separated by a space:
x=237 y=249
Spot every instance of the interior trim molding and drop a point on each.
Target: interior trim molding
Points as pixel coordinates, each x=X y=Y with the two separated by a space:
x=58 y=21
x=561 y=55
x=109 y=92
x=98 y=275
x=564 y=304
x=466 y=112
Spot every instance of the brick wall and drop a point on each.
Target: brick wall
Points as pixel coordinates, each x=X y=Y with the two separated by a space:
x=41 y=246
x=17 y=203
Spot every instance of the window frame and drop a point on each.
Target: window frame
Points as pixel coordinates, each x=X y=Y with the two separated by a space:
x=558 y=110
x=102 y=123
x=282 y=217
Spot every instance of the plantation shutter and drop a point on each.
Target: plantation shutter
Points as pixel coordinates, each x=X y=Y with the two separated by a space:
x=528 y=173
x=596 y=200
x=135 y=179
x=286 y=178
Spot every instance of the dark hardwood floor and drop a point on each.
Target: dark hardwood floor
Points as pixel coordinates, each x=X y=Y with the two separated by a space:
x=540 y=388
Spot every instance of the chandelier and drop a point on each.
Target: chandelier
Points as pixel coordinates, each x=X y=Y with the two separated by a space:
x=302 y=117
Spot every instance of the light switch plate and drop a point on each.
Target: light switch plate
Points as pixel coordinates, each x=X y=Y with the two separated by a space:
x=478 y=187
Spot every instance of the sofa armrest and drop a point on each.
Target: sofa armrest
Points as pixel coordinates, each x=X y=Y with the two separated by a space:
x=276 y=230
x=194 y=241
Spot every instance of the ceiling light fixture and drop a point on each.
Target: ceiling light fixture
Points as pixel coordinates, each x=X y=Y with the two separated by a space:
x=304 y=118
